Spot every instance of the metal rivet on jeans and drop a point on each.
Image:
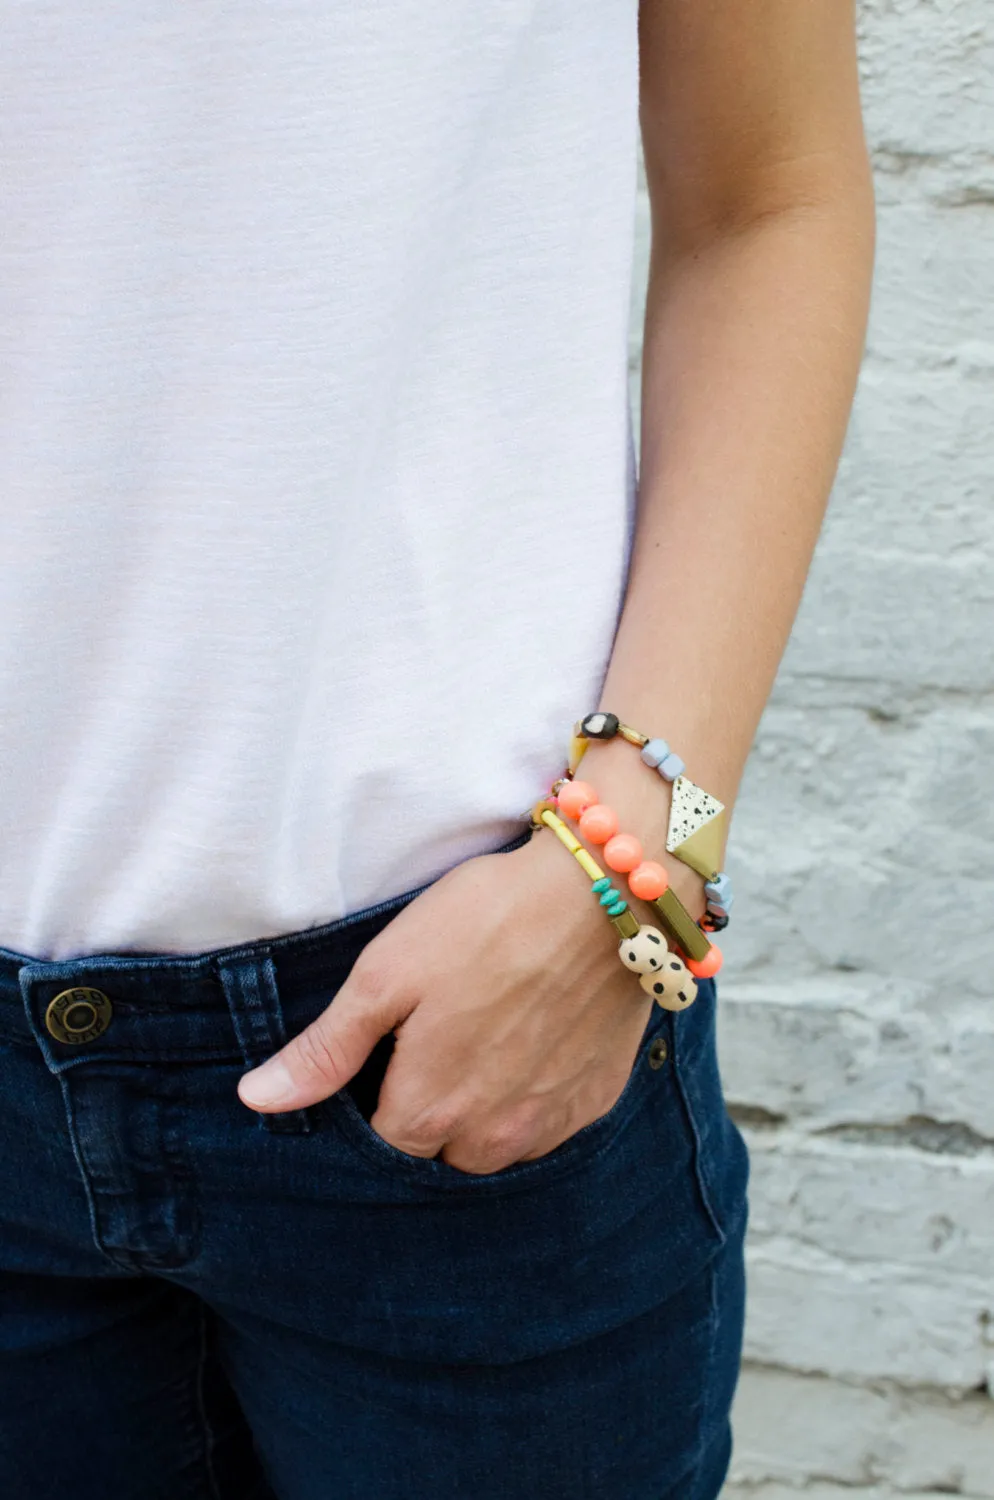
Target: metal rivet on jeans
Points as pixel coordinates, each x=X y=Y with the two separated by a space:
x=658 y=1052
x=78 y=1015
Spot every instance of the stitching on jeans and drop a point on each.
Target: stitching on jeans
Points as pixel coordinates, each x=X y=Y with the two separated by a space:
x=162 y=1051
x=118 y=1256
x=91 y=1206
x=147 y=1054
x=690 y=1114
x=707 y=1400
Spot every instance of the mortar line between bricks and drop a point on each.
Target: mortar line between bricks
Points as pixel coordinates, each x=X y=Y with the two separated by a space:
x=941 y=1397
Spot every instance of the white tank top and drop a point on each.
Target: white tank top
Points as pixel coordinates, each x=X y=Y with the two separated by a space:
x=316 y=471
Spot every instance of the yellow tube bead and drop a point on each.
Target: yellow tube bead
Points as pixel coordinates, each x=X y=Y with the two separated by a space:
x=563 y=834
x=566 y=836
x=588 y=864
x=626 y=924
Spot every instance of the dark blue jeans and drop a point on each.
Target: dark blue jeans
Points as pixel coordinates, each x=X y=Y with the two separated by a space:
x=197 y=1301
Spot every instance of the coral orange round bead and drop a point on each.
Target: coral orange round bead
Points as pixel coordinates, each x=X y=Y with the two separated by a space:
x=648 y=880
x=599 y=823
x=704 y=968
x=623 y=852
x=575 y=797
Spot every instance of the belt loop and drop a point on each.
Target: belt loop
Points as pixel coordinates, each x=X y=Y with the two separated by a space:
x=250 y=988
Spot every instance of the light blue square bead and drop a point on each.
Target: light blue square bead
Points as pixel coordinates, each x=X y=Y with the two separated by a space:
x=653 y=751
x=717 y=890
x=671 y=767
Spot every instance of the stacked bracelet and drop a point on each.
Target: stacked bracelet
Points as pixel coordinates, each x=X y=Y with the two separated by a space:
x=614 y=904
x=697 y=821
x=662 y=974
x=646 y=879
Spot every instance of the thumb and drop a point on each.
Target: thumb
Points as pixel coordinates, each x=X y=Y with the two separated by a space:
x=322 y=1058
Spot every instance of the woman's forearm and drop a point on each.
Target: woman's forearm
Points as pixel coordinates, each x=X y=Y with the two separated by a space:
x=752 y=347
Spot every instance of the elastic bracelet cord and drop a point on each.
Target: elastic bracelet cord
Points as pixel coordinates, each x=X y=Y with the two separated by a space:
x=662 y=974
x=697 y=822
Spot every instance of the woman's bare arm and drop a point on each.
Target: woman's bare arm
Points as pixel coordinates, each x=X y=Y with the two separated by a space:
x=515 y=1023
x=762 y=250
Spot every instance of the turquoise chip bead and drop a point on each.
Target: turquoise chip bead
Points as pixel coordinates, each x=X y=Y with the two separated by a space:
x=653 y=751
x=610 y=896
x=603 y=884
x=617 y=908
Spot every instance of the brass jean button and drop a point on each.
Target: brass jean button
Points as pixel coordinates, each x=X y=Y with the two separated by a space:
x=78 y=1015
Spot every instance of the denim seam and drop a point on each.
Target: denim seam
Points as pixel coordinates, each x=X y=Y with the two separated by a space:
x=699 y=1174
x=714 y=1323
x=124 y=1262
x=143 y=1054
x=251 y=990
x=91 y=1206
x=206 y=1431
x=184 y=1180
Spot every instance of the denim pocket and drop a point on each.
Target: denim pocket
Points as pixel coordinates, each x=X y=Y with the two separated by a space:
x=354 y=1104
x=439 y=1264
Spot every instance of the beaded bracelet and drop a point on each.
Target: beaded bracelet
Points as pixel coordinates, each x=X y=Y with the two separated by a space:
x=662 y=974
x=646 y=879
x=697 y=819
x=614 y=904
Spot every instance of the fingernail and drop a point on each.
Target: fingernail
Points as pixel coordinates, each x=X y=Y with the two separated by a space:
x=266 y=1085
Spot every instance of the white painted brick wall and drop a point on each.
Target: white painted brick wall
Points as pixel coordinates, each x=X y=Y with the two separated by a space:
x=858 y=1044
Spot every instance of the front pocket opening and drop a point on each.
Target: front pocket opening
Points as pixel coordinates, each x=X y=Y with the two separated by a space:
x=357 y=1100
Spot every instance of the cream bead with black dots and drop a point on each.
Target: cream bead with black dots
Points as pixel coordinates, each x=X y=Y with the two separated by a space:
x=646 y=952
x=673 y=986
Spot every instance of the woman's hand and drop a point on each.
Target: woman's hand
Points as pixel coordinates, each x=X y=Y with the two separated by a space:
x=515 y=1023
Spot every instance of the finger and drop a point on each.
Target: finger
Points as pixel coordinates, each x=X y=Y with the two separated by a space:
x=417 y=1129
x=556 y=1132
x=426 y=1139
x=484 y=1151
x=321 y=1059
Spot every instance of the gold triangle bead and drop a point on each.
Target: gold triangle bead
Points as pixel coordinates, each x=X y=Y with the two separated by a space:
x=703 y=850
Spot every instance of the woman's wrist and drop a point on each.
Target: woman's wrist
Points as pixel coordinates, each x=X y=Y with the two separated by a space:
x=642 y=802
